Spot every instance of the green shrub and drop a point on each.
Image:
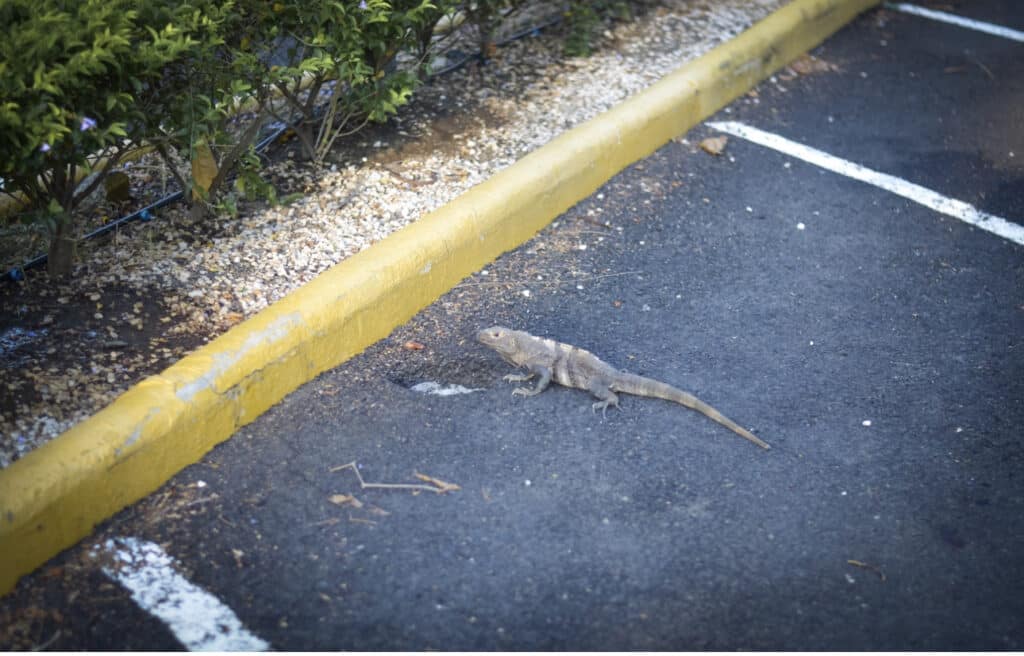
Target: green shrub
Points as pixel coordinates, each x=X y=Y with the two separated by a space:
x=486 y=16
x=585 y=18
x=79 y=83
x=346 y=48
x=213 y=115
x=84 y=83
x=423 y=31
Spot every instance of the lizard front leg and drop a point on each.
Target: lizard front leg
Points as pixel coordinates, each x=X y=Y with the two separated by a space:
x=542 y=383
x=518 y=378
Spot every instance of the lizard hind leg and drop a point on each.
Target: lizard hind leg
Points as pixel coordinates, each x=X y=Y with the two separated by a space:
x=607 y=396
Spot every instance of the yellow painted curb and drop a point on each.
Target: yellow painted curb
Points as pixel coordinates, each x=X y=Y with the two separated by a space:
x=55 y=495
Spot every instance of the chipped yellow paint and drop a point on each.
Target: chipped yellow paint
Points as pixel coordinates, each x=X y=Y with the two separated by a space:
x=56 y=494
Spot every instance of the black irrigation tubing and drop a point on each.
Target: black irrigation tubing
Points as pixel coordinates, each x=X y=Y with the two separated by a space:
x=17 y=274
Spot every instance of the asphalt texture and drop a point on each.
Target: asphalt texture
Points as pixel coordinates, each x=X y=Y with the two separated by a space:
x=876 y=344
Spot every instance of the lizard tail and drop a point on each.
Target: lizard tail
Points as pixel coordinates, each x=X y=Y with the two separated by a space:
x=641 y=386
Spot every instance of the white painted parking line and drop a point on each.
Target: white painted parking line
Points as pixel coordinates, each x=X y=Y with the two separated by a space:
x=980 y=26
x=198 y=619
x=936 y=201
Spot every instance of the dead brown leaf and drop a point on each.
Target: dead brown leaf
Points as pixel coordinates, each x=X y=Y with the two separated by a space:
x=413 y=345
x=809 y=64
x=442 y=486
x=345 y=500
x=714 y=145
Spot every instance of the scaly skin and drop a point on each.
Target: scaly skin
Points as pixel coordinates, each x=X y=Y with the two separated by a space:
x=570 y=366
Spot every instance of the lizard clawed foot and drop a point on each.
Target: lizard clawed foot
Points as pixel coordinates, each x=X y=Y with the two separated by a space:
x=523 y=391
x=604 y=407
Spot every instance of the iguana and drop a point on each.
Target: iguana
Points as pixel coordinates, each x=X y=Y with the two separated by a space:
x=575 y=367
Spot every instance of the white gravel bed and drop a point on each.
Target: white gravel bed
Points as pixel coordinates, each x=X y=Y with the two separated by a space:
x=205 y=286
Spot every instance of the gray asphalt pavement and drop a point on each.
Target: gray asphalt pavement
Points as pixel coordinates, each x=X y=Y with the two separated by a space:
x=877 y=345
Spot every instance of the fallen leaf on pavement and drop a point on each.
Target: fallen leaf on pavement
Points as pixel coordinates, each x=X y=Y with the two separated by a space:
x=441 y=485
x=345 y=500
x=714 y=145
x=807 y=65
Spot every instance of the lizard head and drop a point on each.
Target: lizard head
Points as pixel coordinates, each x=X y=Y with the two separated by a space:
x=500 y=339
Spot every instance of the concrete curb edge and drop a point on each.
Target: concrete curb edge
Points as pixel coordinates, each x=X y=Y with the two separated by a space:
x=58 y=493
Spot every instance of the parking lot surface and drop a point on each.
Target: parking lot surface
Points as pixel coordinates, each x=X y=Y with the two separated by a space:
x=875 y=343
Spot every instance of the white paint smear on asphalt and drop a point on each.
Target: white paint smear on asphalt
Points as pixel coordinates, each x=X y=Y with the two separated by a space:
x=936 y=201
x=980 y=26
x=198 y=619
x=430 y=387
